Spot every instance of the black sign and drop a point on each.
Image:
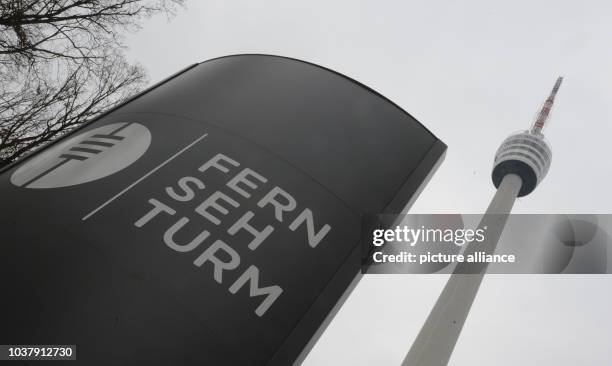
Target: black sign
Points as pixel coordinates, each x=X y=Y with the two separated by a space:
x=212 y=220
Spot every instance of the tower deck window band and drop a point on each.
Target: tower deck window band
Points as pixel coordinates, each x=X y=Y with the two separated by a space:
x=214 y=219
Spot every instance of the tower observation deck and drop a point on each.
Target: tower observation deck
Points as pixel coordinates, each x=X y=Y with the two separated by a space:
x=526 y=154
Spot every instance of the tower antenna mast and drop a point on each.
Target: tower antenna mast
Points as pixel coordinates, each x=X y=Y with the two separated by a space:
x=540 y=122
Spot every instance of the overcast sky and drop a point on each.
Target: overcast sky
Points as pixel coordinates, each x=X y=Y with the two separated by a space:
x=472 y=72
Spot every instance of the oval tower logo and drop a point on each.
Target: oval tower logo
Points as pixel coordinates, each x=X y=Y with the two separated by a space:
x=86 y=157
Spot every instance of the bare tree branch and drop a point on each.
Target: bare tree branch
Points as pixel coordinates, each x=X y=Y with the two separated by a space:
x=61 y=63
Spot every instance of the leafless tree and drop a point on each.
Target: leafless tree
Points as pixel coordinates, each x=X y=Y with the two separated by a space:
x=62 y=62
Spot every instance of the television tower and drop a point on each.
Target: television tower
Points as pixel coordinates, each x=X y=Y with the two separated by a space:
x=520 y=164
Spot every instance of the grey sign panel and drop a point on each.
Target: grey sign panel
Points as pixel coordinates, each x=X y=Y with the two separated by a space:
x=214 y=219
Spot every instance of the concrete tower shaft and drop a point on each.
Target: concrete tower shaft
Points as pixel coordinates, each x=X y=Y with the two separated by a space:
x=520 y=164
